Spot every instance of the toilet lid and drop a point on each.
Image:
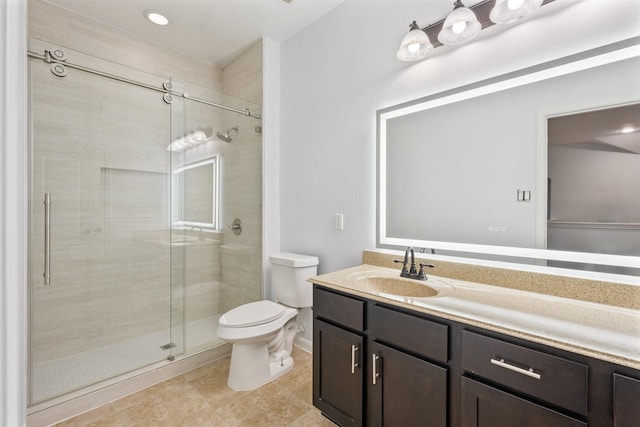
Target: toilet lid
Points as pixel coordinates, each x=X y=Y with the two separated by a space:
x=251 y=314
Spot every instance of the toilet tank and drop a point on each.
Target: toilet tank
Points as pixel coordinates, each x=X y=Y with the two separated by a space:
x=289 y=274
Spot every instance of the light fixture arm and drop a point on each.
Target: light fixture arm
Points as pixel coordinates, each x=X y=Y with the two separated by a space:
x=414 y=26
x=482 y=11
x=458 y=4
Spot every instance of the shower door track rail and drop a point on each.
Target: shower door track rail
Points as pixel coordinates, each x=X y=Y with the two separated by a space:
x=166 y=89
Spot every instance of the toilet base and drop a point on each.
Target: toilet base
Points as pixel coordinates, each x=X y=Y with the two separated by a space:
x=251 y=366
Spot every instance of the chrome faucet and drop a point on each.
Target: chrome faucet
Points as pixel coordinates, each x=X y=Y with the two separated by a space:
x=411 y=272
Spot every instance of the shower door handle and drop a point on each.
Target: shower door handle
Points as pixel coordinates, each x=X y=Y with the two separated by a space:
x=47 y=239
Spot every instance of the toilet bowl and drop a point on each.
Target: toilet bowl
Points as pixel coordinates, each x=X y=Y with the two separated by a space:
x=259 y=332
x=262 y=332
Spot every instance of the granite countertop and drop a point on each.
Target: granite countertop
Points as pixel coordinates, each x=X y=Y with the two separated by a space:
x=606 y=332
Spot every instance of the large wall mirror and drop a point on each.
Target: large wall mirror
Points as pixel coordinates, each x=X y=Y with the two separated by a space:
x=539 y=166
x=195 y=188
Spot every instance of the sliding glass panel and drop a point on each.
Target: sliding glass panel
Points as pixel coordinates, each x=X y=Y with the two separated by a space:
x=217 y=169
x=99 y=154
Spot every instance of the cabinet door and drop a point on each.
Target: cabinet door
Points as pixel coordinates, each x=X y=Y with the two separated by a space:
x=626 y=401
x=405 y=390
x=484 y=406
x=337 y=373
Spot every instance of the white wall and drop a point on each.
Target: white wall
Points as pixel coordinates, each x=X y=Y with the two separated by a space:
x=13 y=212
x=339 y=71
x=594 y=185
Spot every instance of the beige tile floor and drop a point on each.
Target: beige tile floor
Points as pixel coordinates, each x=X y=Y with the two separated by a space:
x=202 y=398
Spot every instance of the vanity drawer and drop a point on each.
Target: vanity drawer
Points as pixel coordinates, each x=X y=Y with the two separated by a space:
x=550 y=378
x=337 y=308
x=626 y=401
x=409 y=333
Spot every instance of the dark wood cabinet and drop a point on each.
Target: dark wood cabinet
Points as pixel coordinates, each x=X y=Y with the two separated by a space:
x=485 y=406
x=378 y=364
x=405 y=390
x=626 y=401
x=409 y=333
x=337 y=373
x=558 y=381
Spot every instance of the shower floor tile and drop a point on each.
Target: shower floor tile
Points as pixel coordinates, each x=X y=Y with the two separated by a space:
x=202 y=398
x=75 y=371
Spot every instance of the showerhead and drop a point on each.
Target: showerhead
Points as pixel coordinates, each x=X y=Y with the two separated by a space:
x=224 y=135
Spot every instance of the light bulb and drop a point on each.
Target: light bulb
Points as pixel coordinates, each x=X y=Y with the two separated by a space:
x=199 y=136
x=459 y=27
x=414 y=47
x=155 y=17
x=514 y=4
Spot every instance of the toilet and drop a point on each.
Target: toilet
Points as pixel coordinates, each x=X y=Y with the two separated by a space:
x=262 y=332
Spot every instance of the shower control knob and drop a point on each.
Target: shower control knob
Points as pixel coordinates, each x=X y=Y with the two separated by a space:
x=236 y=226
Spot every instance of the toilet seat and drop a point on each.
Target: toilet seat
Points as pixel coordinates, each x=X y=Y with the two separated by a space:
x=252 y=314
x=262 y=321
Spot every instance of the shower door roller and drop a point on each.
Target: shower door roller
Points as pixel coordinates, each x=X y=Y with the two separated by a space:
x=236 y=226
x=58 y=70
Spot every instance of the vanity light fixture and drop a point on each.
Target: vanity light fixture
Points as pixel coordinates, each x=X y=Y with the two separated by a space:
x=463 y=24
x=189 y=141
x=460 y=26
x=415 y=44
x=507 y=11
x=155 y=17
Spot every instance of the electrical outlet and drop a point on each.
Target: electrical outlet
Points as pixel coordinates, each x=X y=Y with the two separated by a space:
x=339 y=221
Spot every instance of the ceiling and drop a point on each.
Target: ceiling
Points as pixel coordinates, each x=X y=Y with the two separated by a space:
x=215 y=31
x=599 y=129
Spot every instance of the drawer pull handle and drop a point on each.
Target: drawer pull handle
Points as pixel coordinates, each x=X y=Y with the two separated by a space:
x=354 y=362
x=529 y=373
x=375 y=374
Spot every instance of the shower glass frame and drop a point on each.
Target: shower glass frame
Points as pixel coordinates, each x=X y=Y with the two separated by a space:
x=61 y=111
x=98 y=148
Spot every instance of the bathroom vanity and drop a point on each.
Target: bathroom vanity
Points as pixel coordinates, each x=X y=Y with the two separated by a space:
x=469 y=355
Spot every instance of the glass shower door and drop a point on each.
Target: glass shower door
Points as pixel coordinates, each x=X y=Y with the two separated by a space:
x=100 y=228
x=218 y=181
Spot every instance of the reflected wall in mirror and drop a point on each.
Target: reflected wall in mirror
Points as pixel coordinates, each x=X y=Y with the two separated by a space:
x=466 y=170
x=594 y=180
x=195 y=188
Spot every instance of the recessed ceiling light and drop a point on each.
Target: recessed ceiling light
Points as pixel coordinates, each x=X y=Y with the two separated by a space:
x=627 y=129
x=156 y=17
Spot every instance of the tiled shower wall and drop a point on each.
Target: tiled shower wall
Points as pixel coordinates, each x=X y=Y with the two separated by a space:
x=242 y=184
x=144 y=260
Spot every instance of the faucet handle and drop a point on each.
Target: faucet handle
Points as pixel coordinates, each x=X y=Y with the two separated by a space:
x=421 y=273
x=404 y=272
